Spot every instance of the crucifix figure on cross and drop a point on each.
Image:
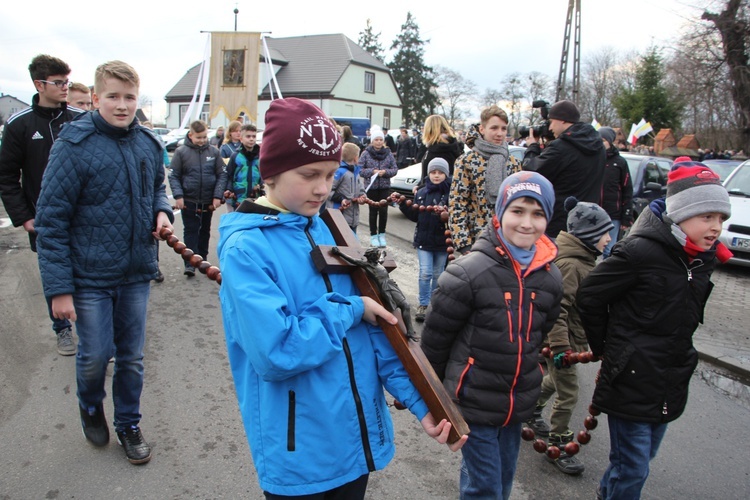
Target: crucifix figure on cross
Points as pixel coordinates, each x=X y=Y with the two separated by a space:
x=373 y=281
x=390 y=293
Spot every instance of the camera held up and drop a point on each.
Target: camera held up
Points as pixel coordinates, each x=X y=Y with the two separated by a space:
x=542 y=130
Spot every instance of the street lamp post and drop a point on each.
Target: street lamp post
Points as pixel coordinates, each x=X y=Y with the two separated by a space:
x=236 y=11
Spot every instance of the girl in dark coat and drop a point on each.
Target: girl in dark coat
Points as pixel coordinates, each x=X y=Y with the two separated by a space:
x=429 y=233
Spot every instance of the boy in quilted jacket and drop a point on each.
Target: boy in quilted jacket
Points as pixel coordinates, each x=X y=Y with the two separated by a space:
x=102 y=205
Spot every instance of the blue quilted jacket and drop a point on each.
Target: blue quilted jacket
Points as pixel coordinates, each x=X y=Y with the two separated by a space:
x=101 y=193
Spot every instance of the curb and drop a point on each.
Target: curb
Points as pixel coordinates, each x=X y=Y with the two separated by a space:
x=718 y=358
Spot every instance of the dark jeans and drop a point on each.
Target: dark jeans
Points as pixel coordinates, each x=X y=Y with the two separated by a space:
x=112 y=319
x=489 y=462
x=632 y=446
x=378 y=226
x=349 y=491
x=196 y=221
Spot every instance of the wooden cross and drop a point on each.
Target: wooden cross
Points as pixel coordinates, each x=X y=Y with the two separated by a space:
x=417 y=366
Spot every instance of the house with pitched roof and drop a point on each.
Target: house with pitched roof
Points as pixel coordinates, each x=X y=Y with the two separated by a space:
x=9 y=106
x=331 y=71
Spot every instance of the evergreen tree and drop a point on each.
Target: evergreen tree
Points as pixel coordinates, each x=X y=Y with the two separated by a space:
x=370 y=41
x=649 y=97
x=414 y=79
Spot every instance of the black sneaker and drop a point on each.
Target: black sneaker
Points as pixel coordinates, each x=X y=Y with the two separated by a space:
x=159 y=277
x=189 y=272
x=537 y=423
x=567 y=464
x=94 y=426
x=136 y=448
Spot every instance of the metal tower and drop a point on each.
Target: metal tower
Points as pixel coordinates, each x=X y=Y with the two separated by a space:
x=574 y=16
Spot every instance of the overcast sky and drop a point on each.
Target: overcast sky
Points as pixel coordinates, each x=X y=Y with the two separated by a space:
x=163 y=39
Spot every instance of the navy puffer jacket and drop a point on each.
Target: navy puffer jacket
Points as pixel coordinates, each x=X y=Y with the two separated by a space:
x=101 y=193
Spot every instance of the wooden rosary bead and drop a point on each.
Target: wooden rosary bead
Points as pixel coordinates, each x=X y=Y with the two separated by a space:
x=553 y=452
x=213 y=273
x=165 y=233
x=527 y=434
x=203 y=266
x=196 y=260
x=584 y=437
x=594 y=411
x=172 y=240
x=540 y=445
x=590 y=423
x=572 y=448
x=179 y=247
x=187 y=254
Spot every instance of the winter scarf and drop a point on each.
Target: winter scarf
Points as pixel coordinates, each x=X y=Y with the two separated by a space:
x=497 y=159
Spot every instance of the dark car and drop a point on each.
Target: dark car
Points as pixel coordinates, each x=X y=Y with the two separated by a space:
x=649 y=176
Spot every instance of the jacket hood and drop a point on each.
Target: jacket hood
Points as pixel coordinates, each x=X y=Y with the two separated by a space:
x=583 y=137
x=574 y=247
x=650 y=224
x=250 y=215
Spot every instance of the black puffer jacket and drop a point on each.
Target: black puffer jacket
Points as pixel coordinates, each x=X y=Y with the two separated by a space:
x=574 y=164
x=640 y=308
x=484 y=327
x=198 y=173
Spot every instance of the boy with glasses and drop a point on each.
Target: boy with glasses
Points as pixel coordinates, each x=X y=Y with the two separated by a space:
x=27 y=140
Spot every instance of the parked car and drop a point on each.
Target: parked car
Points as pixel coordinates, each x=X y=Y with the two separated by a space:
x=735 y=233
x=172 y=138
x=406 y=178
x=649 y=176
x=722 y=167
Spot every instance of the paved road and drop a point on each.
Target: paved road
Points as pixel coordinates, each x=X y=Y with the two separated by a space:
x=191 y=416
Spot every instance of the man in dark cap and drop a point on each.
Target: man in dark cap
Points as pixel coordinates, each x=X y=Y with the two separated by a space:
x=573 y=162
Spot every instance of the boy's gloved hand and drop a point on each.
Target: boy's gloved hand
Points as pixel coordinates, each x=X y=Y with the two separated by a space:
x=562 y=359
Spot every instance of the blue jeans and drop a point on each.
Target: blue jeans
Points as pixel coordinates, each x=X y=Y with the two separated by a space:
x=112 y=318
x=58 y=325
x=431 y=264
x=197 y=228
x=632 y=446
x=613 y=233
x=489 y=462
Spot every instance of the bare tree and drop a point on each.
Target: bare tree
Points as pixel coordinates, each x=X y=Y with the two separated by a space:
x=512 y=93
x=733 y=25
x=599 y=85
x=536 y=86
x=697 y=71
x=490 y=97
x=455 y=94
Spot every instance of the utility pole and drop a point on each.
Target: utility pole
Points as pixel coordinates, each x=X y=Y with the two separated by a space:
x=574 y=17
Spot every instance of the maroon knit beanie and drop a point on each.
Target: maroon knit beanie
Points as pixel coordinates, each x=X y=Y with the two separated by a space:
x=297 y=133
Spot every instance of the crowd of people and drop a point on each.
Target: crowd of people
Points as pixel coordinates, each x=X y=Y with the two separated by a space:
x=308 y=357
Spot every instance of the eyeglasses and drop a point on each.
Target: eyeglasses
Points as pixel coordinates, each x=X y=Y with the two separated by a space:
x=57 y=83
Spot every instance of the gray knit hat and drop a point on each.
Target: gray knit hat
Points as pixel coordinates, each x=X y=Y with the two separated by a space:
x=587 y=221
x=694 y=189
x=438 y=164
x=608 y=134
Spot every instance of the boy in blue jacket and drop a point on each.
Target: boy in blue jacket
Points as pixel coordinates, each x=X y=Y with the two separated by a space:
x=309 y=366
x=102 y=205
